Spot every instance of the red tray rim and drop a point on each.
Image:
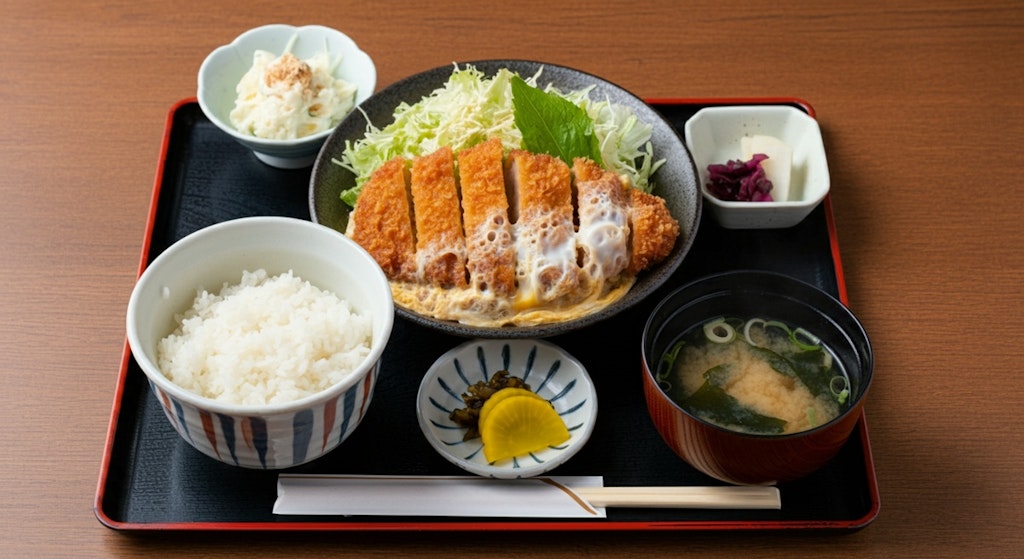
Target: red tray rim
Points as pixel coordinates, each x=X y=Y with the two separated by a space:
x=540 y=524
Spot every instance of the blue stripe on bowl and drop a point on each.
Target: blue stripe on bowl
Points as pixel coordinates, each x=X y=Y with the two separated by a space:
x=446 y=426
x=531 y=356
x=259 y=438
x=506 y=357
x=227 y=428
x=439 y=407
x=481 y=358
x=451 y=392
x=302 y=434
x=555 y=365
x=568 y=388
x=460 y=372
x=573 y=409
x=472 y=443
x=348 y=409
x=179 y=412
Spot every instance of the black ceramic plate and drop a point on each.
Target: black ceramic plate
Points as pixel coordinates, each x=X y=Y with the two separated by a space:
x=676 y=181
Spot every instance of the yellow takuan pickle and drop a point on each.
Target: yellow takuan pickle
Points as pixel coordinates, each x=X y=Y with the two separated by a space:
x=519 y=425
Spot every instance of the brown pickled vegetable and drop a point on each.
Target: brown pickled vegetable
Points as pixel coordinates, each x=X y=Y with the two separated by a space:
x=475 y=397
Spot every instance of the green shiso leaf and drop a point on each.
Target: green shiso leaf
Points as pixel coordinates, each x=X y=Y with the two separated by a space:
x=553 y=125
x=471 y=107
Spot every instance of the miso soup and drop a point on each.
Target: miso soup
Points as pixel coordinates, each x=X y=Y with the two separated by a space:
x=755 y=376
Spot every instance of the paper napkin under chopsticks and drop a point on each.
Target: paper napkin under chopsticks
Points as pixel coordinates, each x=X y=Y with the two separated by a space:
x=541 y=497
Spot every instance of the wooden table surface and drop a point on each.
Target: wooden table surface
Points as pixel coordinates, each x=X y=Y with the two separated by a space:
x=922 y=109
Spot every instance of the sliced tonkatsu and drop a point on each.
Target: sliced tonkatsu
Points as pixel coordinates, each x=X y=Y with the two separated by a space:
x=440 y=245
x=654 y=231
x=602 y=206
x=490 y=246
x=540 y=201
x=486 y=238
x=382 y=221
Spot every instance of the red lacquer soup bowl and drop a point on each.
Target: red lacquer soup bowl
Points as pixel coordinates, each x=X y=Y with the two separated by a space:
x=743 y=457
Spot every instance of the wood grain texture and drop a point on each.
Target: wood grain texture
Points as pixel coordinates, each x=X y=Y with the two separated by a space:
x=922 y=109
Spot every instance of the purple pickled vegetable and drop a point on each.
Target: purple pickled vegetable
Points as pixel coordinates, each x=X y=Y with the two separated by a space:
x=740 y=181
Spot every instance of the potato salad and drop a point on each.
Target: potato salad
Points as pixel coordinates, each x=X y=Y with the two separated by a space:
x=284 y=98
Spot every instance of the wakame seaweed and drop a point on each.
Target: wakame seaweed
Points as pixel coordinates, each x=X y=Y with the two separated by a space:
x=810 y=369
x=806 y=365
x=713 y=403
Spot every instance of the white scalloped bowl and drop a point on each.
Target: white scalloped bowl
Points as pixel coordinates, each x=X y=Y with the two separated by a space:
x=551 y=372
x=221 y=71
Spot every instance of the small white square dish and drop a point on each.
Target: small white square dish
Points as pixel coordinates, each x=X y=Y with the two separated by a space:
x=715 y=136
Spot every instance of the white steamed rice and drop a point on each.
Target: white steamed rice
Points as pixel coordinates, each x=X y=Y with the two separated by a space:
x=267 y=340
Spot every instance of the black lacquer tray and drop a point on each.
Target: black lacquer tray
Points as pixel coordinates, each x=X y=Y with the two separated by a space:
x=150 y=479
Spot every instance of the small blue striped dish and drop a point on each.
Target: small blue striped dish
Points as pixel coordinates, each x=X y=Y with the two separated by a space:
x=551 y=372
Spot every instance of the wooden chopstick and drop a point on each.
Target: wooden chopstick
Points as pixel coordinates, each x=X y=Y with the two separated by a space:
x=712 y=497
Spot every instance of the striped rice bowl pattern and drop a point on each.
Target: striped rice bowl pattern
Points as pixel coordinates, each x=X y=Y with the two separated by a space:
x=271 y=441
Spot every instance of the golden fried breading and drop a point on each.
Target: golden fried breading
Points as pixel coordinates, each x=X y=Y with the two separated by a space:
x=382 y=221
x=440 y=245
x=541 y=184
x=490 y=248
x=484 y=239
x=542 y=190
x=654 y=231
x=587 y=170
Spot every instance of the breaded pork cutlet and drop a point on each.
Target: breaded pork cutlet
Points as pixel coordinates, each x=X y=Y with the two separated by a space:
x=540 y=198
x=584 y=169
x=602 y=236
x=440 y=245
x=654 y=231
x=490 y=246
x=381 y=222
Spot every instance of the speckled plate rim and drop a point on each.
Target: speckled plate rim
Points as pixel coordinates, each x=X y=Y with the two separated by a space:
x=676 y=181
x=550 y=371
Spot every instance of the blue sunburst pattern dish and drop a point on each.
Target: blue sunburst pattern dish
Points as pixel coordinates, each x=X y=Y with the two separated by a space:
x=552 y=373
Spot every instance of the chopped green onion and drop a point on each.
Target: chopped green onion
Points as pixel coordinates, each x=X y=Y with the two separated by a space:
x=798 y=335
x=812 y=417
x=746 y=330
x=840 y=391
x=765 y=324
x=668 y=361
x=719 y=331
x=780 y=325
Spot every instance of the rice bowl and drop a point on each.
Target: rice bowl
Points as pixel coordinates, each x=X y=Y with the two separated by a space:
x=277 y=434
x=266 y=340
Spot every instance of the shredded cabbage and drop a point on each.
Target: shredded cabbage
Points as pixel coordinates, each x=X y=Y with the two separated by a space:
x=625 y=140
x=470 y=108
